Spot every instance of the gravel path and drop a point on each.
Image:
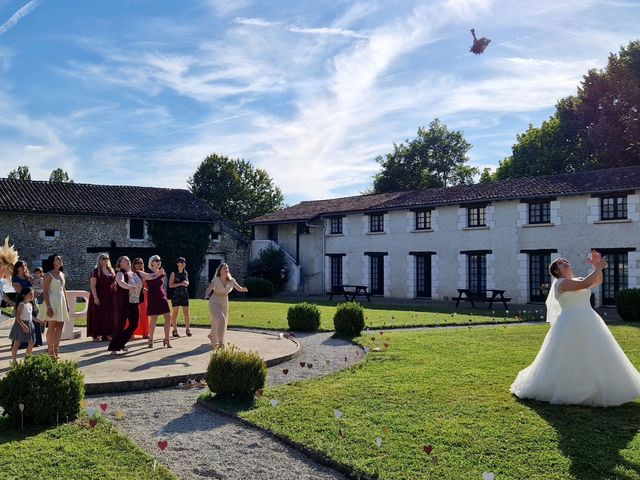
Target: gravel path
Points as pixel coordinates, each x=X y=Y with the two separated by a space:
x=203 y=444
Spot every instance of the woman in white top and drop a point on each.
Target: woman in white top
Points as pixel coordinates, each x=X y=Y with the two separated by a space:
x=580 y=362
x=218 y=294
x=55 y=298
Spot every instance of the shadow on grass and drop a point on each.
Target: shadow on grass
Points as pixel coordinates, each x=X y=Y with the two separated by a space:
x=10 y=431
x=593 y=438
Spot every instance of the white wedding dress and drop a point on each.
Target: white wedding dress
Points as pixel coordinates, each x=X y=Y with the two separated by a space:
x=580 y=362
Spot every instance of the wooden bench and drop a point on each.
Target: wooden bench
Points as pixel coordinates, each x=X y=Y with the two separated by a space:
x=346 y=290
x=467 y=295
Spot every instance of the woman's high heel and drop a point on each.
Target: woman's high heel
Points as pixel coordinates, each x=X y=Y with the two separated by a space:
x=150 y=343
x=188 y=332
x=165 y=343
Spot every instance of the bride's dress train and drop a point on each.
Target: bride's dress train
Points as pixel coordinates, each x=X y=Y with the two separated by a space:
x=580 y=362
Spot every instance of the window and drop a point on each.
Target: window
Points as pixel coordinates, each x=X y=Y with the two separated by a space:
x=49 y=233
x=613 y=208
x=136 y=229
x=273 y=233
x=477 y=216
x=423 y=275
x=538 y=276
x=214 y=237
x=423 y=219
x=615 y=276
x=540 y=212
x=376 y=274
x=336 y=225
x=376 y=222
x=477 y=272
x=336 y=271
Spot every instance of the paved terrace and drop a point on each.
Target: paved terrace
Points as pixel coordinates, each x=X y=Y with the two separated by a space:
x=142 y=368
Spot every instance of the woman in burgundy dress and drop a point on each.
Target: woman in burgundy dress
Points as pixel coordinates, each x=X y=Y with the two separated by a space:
x=157 y=303
x=101 y=314
x=143 y=324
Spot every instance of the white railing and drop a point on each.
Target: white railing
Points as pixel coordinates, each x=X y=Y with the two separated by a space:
x=293 y=280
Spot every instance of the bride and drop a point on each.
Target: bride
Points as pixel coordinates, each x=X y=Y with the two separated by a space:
x=580 y=362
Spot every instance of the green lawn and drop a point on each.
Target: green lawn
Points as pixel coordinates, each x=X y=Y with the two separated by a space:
x=74 y=452
x=450 y=389
x=272 y=314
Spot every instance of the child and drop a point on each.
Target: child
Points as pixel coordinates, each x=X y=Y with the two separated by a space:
x=23 y=328
x=37 y=284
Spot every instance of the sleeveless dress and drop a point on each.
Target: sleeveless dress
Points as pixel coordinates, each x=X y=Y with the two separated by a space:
x=180 y=297
x=157 y=303
x=58 y=301
x=17 y=334
x=101 y=319
x=580 y=361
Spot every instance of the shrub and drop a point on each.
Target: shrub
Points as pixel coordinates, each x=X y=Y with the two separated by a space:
x=303 y=317
x=628 y=304
x=272 y=265
x=349 y=319
x=259 y=287
x=49 y=389
x=235 y=373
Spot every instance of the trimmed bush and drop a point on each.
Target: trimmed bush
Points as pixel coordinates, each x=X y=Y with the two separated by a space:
x=235 y=373
x=259 y=287
x=303 y=317
x=49 y=389
x=349 y=319
x=628 y=304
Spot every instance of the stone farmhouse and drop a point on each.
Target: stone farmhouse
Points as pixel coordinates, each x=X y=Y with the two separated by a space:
x=429 y=243
x=78 y=221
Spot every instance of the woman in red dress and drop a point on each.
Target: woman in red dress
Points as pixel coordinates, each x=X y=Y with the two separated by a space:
x=143 y=324
x=101 y=314
x=157 y=303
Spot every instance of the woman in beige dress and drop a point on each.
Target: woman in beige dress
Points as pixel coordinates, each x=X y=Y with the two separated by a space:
x=55 y=299
x=218 y=295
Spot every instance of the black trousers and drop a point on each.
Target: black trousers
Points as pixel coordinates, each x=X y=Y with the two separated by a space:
x=128 y=312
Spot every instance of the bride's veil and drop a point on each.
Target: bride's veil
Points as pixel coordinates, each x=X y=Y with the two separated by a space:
x=553 y=306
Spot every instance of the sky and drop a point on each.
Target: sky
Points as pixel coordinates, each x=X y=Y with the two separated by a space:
x=140 y=92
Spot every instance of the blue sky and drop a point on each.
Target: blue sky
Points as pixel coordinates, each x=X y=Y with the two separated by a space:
x=140 y=92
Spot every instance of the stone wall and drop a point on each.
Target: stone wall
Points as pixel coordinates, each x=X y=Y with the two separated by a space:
x=72 y=235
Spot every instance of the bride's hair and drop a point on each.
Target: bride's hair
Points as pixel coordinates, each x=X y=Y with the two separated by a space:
x=554 y=270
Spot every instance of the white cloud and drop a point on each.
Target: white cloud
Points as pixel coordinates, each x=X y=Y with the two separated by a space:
x=342 y=32
x=16 y=17
x=259 y=22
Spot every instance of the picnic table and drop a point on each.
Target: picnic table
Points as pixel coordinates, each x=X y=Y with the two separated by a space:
x=346 y=290
x=467 y=295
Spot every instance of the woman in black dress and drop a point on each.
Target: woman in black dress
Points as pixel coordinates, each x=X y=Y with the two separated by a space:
x=179 y=281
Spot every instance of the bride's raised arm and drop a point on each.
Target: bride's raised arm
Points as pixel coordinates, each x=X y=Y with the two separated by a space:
x=592 y=280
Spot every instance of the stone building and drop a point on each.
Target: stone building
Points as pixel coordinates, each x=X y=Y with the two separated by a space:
x=78 y=221
x=500 y=235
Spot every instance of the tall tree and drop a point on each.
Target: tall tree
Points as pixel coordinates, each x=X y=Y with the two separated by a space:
x=20 y=173
x=599 y=127
x=235 y=188
x=59 y=175
x=436 y=157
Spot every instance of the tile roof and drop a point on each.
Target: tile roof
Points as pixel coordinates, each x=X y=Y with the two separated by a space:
x=306 y=211
x=594 y=181
x=26 y=196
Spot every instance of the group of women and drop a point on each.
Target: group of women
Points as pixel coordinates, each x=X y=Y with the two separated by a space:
x=129 y=300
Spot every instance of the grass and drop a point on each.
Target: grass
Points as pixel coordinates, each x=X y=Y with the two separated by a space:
x=74 y=451
x=450 y=389
x=272 y=315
